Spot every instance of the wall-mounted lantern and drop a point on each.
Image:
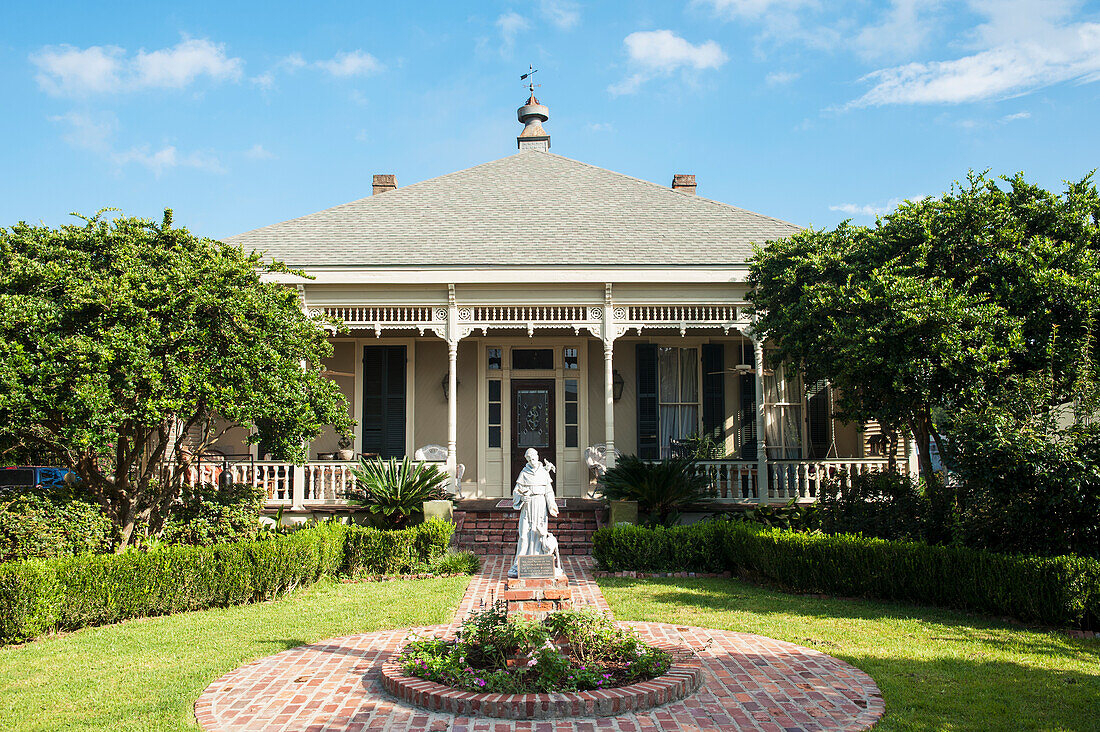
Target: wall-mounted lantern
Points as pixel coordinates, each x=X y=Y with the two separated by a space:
x=616 y=385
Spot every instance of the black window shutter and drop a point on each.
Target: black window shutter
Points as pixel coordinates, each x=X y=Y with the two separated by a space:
x=648 y=414
x=817 y=402
x=714 y=394
x=748 y=416
x=384 y=397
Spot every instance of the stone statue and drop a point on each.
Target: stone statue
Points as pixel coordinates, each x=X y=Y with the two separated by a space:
x=533 y=497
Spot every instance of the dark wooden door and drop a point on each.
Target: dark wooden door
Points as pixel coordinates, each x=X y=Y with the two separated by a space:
x=532 y=421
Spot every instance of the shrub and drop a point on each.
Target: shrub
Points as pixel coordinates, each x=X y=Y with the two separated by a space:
x=464 y=562
x=624 y=547
x=370 y=551
x=208 y=514
x=394 y=492
x=73 y=592
x=885 y=505
x=33 y=525
x=790 y=515
x=662 y=489
x=1054 y=590
x=495 y=654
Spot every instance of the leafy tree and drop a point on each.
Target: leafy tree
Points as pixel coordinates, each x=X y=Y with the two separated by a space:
x=116 y=336
x=938 y=302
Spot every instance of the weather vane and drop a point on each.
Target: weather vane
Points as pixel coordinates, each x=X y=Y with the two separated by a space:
x=531 y=71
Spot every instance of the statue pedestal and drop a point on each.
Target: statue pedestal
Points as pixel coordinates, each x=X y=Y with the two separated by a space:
x=534 y=599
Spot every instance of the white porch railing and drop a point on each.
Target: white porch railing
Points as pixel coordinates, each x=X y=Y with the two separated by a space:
x=736 y=481
x=313 y=484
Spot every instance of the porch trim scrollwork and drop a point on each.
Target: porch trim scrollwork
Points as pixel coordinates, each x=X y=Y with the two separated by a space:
x=470 y=318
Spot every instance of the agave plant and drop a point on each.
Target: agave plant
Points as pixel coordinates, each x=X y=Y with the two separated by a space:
x=661 y=488
x=395 y=491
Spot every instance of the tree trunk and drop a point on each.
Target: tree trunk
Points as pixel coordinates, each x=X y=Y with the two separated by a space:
x=921 y=427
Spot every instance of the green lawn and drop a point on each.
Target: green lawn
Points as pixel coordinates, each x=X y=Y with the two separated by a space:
x=938 y=670
x=146 y=674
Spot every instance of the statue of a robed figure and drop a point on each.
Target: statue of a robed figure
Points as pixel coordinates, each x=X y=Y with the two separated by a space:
x=533 y=497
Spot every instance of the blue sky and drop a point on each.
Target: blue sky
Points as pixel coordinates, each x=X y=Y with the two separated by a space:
x=242 y=114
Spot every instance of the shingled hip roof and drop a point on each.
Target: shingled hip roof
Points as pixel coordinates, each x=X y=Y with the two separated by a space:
x=533 y=208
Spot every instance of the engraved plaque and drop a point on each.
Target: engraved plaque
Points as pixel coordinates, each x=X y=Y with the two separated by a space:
x=536 y=566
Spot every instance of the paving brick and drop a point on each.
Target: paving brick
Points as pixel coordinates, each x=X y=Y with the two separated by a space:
x=748 y=683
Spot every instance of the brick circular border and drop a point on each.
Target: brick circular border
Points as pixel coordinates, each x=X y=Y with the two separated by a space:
x=682 y=679
x=749 y=683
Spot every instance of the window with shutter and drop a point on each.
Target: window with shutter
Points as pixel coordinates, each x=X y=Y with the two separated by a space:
x=748 y=416
x=646 y=360
x=714 y=395
x=384 y=397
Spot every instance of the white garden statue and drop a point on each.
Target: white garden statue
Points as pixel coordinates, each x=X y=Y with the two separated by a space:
x=533 y=497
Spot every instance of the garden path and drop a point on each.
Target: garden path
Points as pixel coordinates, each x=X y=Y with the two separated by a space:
x=751 y=682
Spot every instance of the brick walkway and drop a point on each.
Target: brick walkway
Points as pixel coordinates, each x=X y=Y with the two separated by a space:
x=752 y=682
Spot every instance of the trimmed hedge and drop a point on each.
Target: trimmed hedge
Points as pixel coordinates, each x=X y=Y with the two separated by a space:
x=370 y=551
x=1051 y=590
x=37 y=596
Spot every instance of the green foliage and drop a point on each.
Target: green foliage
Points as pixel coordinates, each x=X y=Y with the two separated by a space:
x=28 y=599
x=1027 y=483
x=463 y=562
x=938 y=301
x=1053 y=590
x=790 y=515
x=209 y=514
x=69 y=593
x=114 y=332
x=33 y=525
x=493 y=654
x=696 y=547
x=662 y=489
x=884 y=505
x=374 y=552
x=394 y=492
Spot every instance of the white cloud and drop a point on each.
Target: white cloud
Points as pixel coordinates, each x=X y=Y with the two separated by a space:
x=661 y=53
x=755 y=8
x=776 y=78
x=1024 y=45
x=69 y=71
x=563 y=13
x=167 y=158
x=871 y=210
x=259 y=152
x=903 y=29
x=1015 y=116
x=97 y=136
x=601 y=127
x=355 y=63
x=511 y=24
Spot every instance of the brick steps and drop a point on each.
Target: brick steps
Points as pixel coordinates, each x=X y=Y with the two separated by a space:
x=486 y=531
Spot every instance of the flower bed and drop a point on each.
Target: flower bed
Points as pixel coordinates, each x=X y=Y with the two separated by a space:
x=570 y=651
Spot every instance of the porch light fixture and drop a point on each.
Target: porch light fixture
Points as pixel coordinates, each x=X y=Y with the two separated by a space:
x=446 y=384
x=616 y=385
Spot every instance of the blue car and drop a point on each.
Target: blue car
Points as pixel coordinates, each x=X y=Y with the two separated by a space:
x=33 y=476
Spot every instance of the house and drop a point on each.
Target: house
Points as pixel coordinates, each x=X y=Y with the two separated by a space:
x=539 y=301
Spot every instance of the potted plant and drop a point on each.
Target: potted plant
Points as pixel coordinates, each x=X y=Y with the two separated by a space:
x=345 y=452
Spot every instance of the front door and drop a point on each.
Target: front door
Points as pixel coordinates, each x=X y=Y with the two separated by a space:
x=532 y=421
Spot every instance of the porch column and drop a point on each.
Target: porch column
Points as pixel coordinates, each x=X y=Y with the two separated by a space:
x=452 y=405
x=609 y=401
x=609 y=333
x=761 y=444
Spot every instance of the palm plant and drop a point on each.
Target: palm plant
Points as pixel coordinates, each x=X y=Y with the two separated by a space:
x=395 y=491
x=661 y=488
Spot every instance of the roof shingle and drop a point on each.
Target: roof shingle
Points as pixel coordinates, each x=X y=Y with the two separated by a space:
x=531 y=208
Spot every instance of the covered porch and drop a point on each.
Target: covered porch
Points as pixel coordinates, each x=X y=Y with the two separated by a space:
x=470 y=387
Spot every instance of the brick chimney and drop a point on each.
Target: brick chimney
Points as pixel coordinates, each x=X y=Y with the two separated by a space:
x=384 y=182
x=684 y=183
